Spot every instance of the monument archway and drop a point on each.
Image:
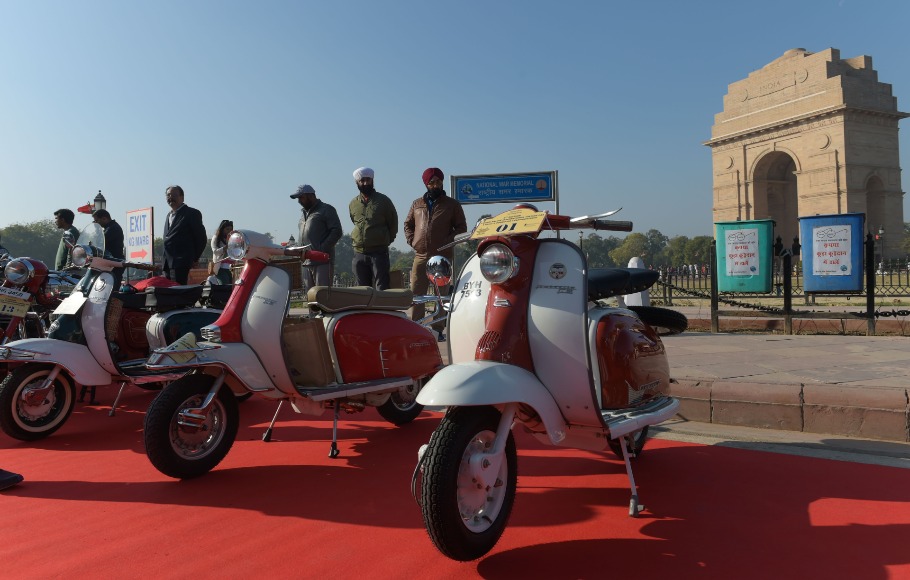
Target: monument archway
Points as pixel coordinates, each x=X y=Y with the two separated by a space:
x=809 y=133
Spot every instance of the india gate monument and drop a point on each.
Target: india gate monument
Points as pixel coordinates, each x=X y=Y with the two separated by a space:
x=810 y=133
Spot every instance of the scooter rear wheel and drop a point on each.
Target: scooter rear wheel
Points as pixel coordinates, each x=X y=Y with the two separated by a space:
x=402 y=406
x=185 y=452
x=27 y=422
x=464 y=519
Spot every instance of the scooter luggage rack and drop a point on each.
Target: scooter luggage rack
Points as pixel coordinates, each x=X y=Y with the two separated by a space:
x=164 y=351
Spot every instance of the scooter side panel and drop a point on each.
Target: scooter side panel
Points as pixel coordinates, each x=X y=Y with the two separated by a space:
x=93 y=321
x=467 y=318
x=261 y=325
x=479 y=383
x=75 y=358
x=558 y=330
x=376 y=345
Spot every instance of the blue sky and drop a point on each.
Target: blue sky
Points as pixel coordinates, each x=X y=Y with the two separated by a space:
x=240 y=102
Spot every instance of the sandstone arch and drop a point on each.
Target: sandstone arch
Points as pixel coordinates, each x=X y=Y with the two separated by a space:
x=809 y=133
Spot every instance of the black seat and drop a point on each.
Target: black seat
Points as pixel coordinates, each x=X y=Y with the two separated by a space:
x=607 y=282
x=162 y=299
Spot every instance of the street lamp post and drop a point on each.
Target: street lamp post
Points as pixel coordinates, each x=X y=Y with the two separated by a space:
x=100 y=202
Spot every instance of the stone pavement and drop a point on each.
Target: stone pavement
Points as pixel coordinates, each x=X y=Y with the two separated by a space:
x=856 y=386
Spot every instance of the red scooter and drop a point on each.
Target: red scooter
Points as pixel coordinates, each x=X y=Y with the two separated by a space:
x=531 y=343
x=356 y=348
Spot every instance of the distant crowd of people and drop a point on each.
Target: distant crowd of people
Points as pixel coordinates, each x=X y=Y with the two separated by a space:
x=433 y=220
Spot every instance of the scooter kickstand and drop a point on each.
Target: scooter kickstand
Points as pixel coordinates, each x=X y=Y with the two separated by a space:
x=116 y=400
x=634 y=507
x=267 y=436
x=333 y=451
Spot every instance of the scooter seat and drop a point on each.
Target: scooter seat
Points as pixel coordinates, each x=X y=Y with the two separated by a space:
x=329 y=299
x=607 y=282
x=162 y=299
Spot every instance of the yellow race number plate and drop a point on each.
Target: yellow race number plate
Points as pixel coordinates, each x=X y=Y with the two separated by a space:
x=514 y=221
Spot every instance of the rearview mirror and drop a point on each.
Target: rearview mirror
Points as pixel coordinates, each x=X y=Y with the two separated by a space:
x=439 y=271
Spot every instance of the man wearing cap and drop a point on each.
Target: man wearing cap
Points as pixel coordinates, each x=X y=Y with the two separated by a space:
x=319 y=227
x=375 y=226
x=433 y=221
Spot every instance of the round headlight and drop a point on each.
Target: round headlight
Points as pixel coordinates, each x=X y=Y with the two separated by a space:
x=237 y=246
x=18 y=272
x=79 y=256
x=498 y=264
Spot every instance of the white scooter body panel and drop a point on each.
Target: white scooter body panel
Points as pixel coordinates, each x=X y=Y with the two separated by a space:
x=469 y=300
x=93 y=317
x=75 y=358
x=262 y=320
x=479 y=383
x=558 y=333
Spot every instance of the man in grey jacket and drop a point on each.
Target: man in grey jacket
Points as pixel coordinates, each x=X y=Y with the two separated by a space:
x=320 y=227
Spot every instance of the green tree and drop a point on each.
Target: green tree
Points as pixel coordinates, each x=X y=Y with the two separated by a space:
x=635 y=244
x=675 y=252
x=698 y=250
x=37 y=240
x=597 y=250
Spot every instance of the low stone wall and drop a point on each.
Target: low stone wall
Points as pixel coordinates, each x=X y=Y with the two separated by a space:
x=870 y=412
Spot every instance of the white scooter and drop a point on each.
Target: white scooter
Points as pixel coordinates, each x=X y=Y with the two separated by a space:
x=531 y=343
x=355 y=349
x=98 y=336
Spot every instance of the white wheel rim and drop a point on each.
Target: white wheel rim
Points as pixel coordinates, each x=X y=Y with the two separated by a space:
x=26 y=415
x=480 y=506
x=197 y=443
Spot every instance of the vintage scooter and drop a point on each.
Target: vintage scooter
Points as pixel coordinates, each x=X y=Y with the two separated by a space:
x=356 y=348
x=98 y=336
x=532 y=343
x=26 y=299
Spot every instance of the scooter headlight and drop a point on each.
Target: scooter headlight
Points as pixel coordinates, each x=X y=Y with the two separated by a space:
x=237 y=246
x=18 y=272
x=498 y=264
x=80 y=256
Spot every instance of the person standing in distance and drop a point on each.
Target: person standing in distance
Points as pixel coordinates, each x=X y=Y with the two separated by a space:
x=375 y=226
x=319 y=227
x=63 y=219
x=184 y=236
x=433 y=221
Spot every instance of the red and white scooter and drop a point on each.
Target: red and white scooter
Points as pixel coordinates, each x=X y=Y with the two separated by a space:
x=531 y=343
x=355 y=349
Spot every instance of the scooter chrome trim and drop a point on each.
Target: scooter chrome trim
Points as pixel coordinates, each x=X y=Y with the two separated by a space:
x=349 y=389
x=491 y=383
x=237 y=357
x=624 y=421
x=75 y=358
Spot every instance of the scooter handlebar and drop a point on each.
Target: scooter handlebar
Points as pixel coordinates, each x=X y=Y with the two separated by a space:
x=305 y=254
x=616 y=226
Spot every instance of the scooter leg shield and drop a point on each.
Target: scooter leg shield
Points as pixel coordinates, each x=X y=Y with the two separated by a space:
x=491 y=383
x=75 y=358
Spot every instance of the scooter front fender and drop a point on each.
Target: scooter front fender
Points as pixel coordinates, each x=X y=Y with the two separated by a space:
x=75 y=358
x=491 y=383
x=237 y=357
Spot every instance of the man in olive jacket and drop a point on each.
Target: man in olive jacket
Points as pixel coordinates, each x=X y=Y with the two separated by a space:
x=375 y=227
x=433 y=221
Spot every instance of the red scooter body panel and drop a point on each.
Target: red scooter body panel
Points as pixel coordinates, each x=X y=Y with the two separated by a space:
x=371 y=345
x=633 y=362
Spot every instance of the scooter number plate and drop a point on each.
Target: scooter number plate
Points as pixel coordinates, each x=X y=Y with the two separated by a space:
x=13 y=306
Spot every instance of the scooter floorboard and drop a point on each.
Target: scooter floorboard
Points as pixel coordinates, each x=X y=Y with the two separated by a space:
x=347 y=389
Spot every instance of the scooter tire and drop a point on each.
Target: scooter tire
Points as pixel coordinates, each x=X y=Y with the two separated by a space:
x=14 y=419
x=183 y=453
x=663 y=320
x=447 y=492
x=639 y=438
x=402 y=408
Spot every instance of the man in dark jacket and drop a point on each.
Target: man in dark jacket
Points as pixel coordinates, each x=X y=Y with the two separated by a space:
x=375 y=226
x=184 y=237
x=319 y=227
x=113 y=240
x=433 y=221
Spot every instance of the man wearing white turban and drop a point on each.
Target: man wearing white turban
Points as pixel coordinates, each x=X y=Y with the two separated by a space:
x=375 y=227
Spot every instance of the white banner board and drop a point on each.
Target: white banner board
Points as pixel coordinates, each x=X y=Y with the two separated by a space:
x=742 y=252
x=831 y=251
x=140 y=235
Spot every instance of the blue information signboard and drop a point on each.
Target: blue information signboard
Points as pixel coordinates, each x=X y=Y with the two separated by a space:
x=505 y=187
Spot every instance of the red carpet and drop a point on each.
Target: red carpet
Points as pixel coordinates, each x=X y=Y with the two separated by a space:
x=93 y=506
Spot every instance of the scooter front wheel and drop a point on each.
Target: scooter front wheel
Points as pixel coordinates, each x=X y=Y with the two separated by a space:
x=30 y=420
x=184 y=451
x=463 y=517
